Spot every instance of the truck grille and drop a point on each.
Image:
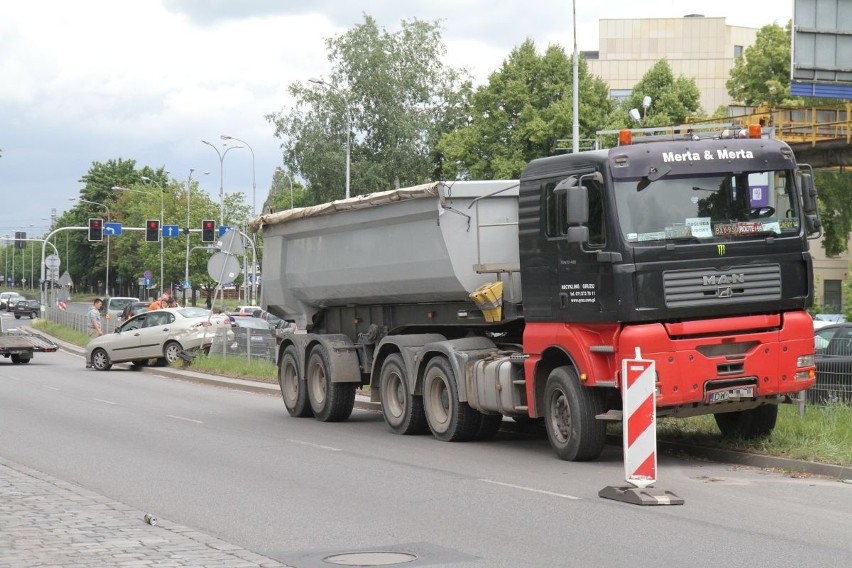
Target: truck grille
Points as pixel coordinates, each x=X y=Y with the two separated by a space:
x=738 y=284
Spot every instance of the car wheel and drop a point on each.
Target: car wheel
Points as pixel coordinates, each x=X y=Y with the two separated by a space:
x=100 y=360
x=171 y=352
x=17 y=316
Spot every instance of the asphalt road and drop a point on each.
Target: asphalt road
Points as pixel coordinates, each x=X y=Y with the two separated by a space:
x=235 y=465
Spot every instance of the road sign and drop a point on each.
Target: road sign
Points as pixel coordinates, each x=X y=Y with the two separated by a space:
x=52 y=262
x=171 y=230
x=187 y=284
x=147 y=274
x=112 y=229
x=223 y=229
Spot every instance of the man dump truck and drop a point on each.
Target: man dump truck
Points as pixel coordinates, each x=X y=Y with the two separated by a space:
x=460 y=303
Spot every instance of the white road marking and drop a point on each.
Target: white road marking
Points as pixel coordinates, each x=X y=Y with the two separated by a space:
x=531 y=489
x=184 y=419
x=105 y=401
x=303 y=443
x=50 y=387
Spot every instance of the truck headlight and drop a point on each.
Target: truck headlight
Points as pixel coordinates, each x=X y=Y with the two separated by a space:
x=805 y=361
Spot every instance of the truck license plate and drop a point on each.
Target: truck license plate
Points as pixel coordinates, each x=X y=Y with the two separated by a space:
x=731 y=393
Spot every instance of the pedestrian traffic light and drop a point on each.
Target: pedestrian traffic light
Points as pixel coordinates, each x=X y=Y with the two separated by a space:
x=96 y=229
x=152 y=230
x=208 y=231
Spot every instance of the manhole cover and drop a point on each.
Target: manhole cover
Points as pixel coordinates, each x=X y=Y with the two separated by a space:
x=370 y=558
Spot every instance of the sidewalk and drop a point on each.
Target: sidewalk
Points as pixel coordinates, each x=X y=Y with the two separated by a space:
x=46 y=522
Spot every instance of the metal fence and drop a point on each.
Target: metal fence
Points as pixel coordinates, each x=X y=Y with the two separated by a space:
x=833 y=380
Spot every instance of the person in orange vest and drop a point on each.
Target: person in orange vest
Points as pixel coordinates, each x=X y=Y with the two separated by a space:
x=165 y=301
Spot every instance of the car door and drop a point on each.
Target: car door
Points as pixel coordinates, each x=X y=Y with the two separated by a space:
x=155 y=333
x=124 y=345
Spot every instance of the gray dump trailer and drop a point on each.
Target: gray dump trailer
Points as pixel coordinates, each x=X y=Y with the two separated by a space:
x=431 y=243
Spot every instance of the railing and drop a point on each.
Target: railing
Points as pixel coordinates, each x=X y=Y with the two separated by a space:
x=796 y=125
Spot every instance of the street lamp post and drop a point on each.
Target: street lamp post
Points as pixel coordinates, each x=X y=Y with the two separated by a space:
x=109 y=220
x=221 y=177
x=319 y=81
x=253 y=184
x=290 y=179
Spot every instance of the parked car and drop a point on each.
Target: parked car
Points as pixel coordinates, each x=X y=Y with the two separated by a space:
x=113 y=307
x=9 y=299
x=833 y=350
x=133 y=309
x=246 y=333
x=164 y=335
x=29 y=308
x=246 y=310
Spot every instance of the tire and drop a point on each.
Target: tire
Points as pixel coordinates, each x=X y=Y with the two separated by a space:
x=403 y=411
x=20 y=359
x=449 y=419
x=570 y=409
x=748 y=424
x=171 y=352
x=293 y=390
x=331 y=402
x=100 y=360
x=489 y=425
x=17 y=316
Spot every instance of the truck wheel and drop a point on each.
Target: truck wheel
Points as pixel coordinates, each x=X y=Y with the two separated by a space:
x=293 y=390
x=171 y=351
x=570 y=409
x=489 y=425
x=100 y=360
x=403 y=411
x=748 y=424
x=449 y=419
x=331 y=402
x=18 y=358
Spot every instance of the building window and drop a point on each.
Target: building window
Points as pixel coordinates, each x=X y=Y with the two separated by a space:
x=738 y=51
x=832 y=300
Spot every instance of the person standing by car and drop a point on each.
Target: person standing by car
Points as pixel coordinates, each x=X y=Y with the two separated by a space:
x=165 y=301
x=94 y=318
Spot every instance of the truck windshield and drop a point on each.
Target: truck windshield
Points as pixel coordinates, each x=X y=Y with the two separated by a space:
x=708 y=208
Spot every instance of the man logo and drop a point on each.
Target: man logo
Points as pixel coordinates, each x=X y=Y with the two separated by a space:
x=720 y=249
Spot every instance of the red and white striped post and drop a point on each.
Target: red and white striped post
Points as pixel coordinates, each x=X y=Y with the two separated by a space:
x=639 y=431
x=640 y=421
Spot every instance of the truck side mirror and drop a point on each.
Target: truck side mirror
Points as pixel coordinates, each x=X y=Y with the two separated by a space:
x=809 y=202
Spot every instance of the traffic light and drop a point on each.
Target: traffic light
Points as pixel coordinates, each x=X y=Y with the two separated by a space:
x=152 y=230
x=96 y=229
x=20 y=241
x=208 y=231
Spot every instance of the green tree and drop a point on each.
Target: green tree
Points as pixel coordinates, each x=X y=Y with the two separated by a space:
x=672 y=99
x=390 y=92
x=762 y=73
x=835 y=209
x=521 y=113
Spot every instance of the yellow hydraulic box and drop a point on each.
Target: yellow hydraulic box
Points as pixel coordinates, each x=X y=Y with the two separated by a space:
x=489 y=299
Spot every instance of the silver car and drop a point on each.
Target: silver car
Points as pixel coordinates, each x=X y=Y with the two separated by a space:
x=165 y=335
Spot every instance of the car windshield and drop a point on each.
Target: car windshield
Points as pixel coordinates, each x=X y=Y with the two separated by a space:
x=708 y=208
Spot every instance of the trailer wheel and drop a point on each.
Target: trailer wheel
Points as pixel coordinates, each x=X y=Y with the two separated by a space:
x=748 y=424
x=403 y=411
x=331 y=402
x=19 y=358
x=100 y=360
x=570 y=409
x=450 y=420
x=293 y=390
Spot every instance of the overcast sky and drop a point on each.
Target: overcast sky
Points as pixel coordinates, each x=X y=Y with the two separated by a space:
x=97 y=80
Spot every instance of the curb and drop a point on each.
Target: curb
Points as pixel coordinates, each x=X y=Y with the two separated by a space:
x=362 y=402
